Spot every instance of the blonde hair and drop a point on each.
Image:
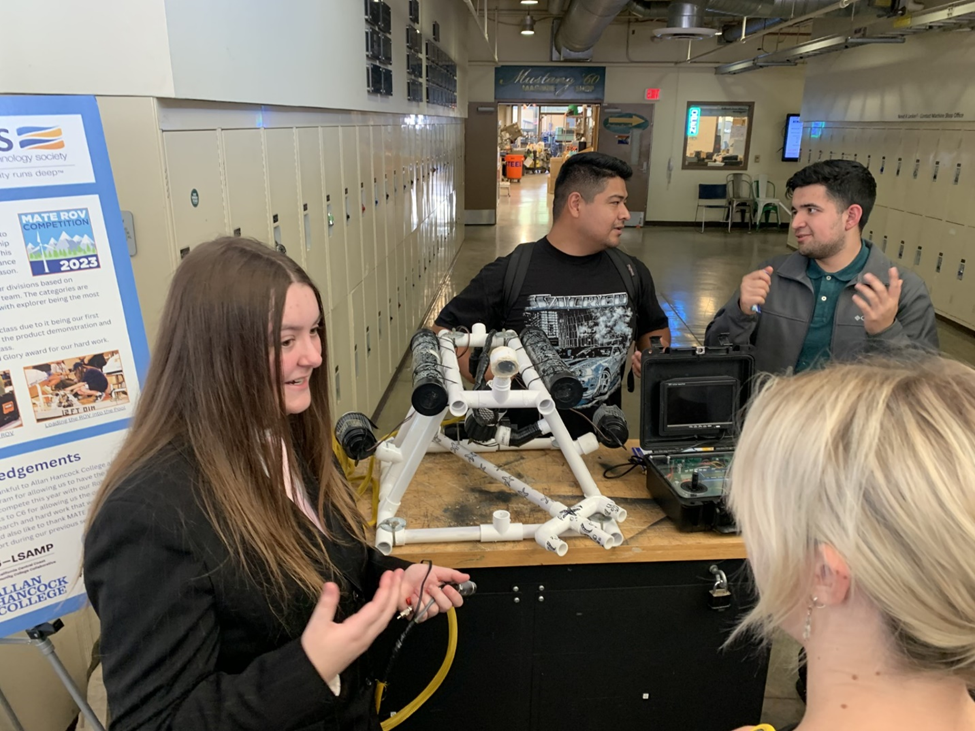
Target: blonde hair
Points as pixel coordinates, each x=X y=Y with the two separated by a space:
x=876 y=460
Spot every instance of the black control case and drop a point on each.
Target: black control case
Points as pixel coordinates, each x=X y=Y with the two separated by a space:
x=685 y=472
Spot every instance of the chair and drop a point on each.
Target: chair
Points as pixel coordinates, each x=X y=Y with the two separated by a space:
x=740 y=197
x=765 y=201
x=710 y=196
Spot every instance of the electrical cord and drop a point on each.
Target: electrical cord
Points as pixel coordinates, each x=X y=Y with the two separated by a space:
x=631 y=464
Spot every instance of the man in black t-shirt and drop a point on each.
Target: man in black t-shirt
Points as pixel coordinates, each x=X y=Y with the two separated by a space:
x=573 y=290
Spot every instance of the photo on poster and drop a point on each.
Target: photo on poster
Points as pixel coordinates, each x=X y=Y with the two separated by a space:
x=59 y=241
x=9 y=412
x=78 y=385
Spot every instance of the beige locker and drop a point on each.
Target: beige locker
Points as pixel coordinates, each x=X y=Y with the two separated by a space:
x=876 y=227
x=335 y=225
x=342 y=371
x=385 y=339
x=931 y=248
x=366 y=200
x=947 y=239
x=892 y=235
x=963 y=292
x=906 y=236
x=867 y=148
x=940 y=174
x=287 y=231
x=313 y=221
x=393 y=233
x=379 y=193
x=401 y=316
x=195 y=187
x=888 y=144
x=961 y=186
x=399 y=190
x=351 y=209
x=921 y=173
x=952 y=281
x=357 y=305
x=246 y=183
x=809 y=143
x=903 y=166
x=373 y=351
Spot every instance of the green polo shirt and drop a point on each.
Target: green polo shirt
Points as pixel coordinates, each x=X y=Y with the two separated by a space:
x=827 y=287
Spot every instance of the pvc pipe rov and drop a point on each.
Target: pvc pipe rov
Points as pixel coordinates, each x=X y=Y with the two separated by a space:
x=452 y=377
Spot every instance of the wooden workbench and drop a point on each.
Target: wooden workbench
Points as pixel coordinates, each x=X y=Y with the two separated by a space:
x=447 y=491
x=538 y=621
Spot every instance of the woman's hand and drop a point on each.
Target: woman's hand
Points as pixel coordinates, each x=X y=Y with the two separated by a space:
x=332 y=646
x=444 y=597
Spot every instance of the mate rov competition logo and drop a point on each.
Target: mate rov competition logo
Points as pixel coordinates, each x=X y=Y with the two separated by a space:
x=40 y=138
x=59 y=241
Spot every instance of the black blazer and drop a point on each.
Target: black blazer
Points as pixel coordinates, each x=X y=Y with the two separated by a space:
x=189 y=641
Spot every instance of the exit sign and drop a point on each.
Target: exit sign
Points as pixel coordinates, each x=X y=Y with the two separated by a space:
x=653 y=95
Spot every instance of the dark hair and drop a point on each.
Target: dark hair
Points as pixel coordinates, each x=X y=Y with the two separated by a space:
x=211 y=391
x=586 y=174
x=846 y=182
x=78 y=366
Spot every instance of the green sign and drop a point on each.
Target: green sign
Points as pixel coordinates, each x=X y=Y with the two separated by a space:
x=693 y=121
x=194 y=198
x=625 y=122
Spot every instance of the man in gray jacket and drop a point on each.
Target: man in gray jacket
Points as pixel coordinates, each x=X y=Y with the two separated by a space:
x=839 y=296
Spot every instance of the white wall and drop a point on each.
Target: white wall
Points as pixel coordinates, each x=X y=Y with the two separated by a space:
x=304 y=53
x=66 y=47
x=920 y=80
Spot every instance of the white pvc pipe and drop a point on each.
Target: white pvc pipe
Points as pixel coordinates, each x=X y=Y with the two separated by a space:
x=531 y=378
x=388 y=452
x=452 y=377
x=563 y=517
x=419 y=432
x=534 y=444
x=513 y=400
x=578 y=467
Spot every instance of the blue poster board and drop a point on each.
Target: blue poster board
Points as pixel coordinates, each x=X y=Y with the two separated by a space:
x=73 y=350
x=563 y=84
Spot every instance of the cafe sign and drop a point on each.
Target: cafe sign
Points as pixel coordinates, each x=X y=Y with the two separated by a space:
x=549 y=83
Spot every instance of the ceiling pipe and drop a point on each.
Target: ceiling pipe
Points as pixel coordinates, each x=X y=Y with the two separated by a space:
x=736 y=32
x=584 y=23
x=842 y=4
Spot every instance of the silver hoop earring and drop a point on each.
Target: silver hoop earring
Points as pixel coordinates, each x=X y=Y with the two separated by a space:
x=813 y=604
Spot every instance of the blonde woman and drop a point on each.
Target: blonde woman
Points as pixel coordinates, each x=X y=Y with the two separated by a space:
x=854 y=488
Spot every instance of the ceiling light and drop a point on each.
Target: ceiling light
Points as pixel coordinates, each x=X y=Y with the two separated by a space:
x=529 y=2
x=528 y=25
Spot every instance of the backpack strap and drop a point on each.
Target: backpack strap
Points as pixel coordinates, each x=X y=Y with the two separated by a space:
x=514 y=275
x=631 y=280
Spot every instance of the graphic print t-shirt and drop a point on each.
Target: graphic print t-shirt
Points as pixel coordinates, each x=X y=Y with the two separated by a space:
x=580 y=302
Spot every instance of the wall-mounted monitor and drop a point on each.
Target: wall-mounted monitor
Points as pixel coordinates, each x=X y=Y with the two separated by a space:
x=793 y=138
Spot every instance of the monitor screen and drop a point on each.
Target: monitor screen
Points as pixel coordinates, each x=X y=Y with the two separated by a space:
x=793 y=138
x=698 y=405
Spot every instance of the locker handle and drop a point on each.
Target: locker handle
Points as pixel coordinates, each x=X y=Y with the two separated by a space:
x=917 y=256
x=937 y=164
x=961 y=269
x=937 y=267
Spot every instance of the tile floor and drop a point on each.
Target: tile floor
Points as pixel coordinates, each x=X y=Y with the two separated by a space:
x=695 y=274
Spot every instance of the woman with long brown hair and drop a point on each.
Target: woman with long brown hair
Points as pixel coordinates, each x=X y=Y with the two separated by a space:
x=224 y=514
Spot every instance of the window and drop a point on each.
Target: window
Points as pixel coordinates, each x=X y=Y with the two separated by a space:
x=717 y=135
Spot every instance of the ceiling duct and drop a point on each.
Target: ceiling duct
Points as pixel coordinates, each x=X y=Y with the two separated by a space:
x=584 y=22
x=685 y=22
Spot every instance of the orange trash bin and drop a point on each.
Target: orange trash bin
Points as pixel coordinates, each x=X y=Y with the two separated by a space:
x=515 y=166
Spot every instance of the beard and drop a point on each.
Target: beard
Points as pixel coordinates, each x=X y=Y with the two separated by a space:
x=822 y=249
